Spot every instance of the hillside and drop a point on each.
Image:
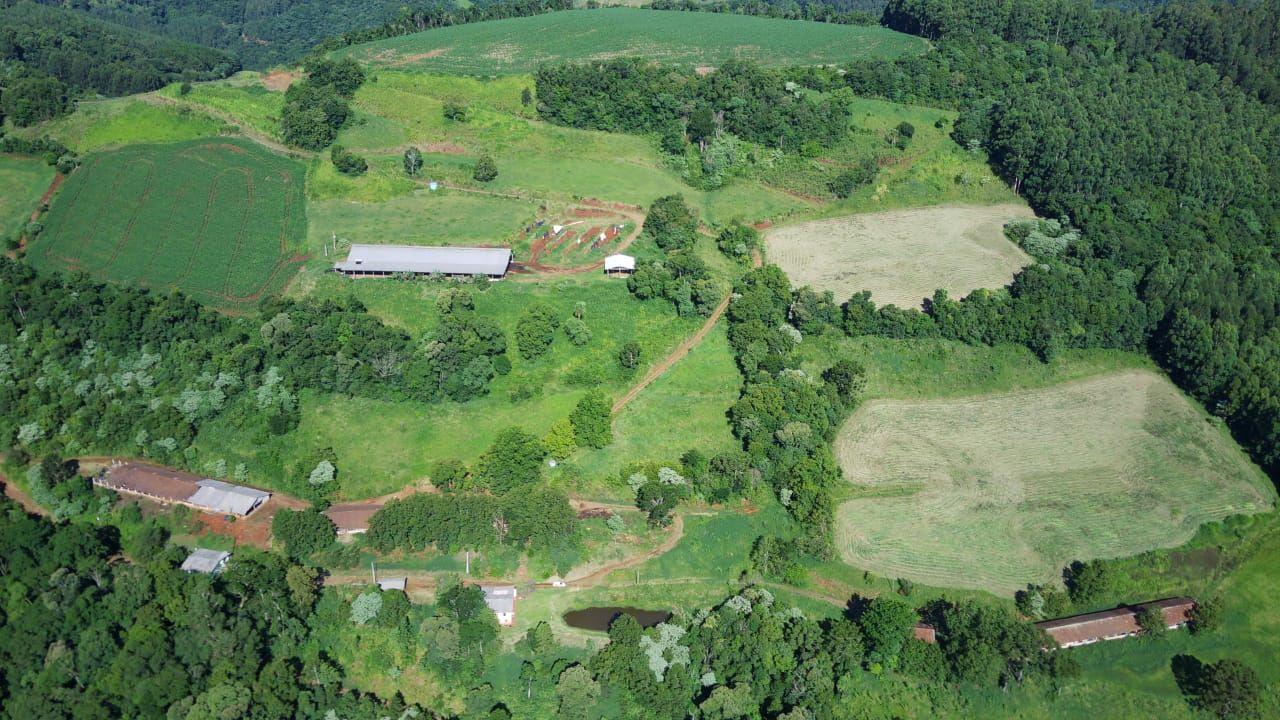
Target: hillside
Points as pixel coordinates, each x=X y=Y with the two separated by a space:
x=518 y=45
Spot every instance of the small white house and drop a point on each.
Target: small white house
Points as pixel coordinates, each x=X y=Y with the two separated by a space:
x=501 y=599
x=620 y=265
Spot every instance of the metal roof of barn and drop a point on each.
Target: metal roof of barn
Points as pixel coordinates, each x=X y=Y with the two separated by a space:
x=203 y=560
x=426 y=260
x=227 y=498
x=500 y=598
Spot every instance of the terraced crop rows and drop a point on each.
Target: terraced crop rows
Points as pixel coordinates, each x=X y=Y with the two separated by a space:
x=222 y=220
x=1000 y=490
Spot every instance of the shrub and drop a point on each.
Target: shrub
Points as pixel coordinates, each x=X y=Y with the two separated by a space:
x=1151 y=620
x=535 y=330
x=629 y=355
x=592 y=420
x=578 y=332
x=455 y=112
x=485 y=170
x=347 y=162
x=864 y=173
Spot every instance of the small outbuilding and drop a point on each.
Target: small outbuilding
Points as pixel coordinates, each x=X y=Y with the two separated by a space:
x=619 y=265
x=204 y=560
x=393 y=583
x=501 y=599
x=352 y=518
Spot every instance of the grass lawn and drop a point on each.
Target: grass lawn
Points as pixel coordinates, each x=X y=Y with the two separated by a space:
x=995 y=491
x=516 y=44
x=98 y=124
x=221 y=219
x=23 y=180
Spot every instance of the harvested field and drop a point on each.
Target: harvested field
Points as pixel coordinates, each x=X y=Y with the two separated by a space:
x=221 y=219
x=996 y=491
x=902 y=256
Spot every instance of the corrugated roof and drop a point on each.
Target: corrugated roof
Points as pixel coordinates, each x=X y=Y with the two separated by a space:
x=352 y=517
x=227 y=498
x=1092 y=627
x=426 y=260
x=151 y=480
x=396 y=583
x=203 y=560
x=619 y=262
x=500 y=598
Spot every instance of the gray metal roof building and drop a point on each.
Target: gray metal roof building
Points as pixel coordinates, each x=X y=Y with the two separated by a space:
x=421 y=260
x=227 y=498
x=203 y=560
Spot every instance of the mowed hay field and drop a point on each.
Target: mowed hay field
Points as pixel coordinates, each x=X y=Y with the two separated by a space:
x=517 y=45
x=902 y=256
x=996 y=491
x=223 y=220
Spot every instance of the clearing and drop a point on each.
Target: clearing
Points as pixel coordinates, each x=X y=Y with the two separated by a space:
x=512 y=46
x=23 y=179
x=902 y=256
x=223 y=220
x=995 y=491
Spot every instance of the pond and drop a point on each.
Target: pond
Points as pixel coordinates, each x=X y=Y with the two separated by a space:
x=600 y=618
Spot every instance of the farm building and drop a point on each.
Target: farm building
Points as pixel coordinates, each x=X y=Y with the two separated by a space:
x=384 y=260
x=352 y=518
x=925 y=633
x=393 y=583
x=619 y=265
x=173 y=486
x=203 y=560
x=1114 y=624
x=501 y=599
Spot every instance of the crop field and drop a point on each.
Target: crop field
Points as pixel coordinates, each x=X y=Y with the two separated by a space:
x=901 y=256
x=515 y=45
x=23 y=181
x=995 y=491
x=220 y=219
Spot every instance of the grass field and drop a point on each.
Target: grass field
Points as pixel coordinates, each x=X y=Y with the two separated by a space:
x=421 y=218
x=98 y=124
x=997 y=491
x=242 y=97
x=517 y=44
x=222 y=220
x=394 y=443
x=23 y=181
x=901 y=256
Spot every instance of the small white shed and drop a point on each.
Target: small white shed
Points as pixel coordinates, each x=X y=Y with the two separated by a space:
x=619 y=265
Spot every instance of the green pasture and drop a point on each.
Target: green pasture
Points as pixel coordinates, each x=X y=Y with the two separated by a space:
x=514 y=45
x=685 y=408
x=445 y=217
x=99 y=124
x=23 y=180
x=220 y=219
x=393 y=443
x=241 y=99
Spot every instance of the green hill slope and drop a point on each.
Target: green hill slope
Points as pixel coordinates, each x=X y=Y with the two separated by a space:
x=517 y=45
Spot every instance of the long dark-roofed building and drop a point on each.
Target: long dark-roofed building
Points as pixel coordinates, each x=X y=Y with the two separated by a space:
x=384 y=260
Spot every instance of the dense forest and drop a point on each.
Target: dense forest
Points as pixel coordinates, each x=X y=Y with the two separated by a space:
x=1166 y=166
x=51 y=53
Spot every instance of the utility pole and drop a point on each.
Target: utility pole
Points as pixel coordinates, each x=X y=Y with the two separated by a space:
x=373 y=572
x=468 y=563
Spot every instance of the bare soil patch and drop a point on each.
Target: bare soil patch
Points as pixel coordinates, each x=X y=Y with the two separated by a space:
x=279 y=80
x=996 y=491
x=902 y=256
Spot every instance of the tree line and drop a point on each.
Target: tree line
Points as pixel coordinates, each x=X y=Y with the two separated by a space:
x=440 y=13
x=842 y=12
x=1166 y=168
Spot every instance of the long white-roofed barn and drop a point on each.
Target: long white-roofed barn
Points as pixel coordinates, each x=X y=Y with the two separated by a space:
x=385 y=260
